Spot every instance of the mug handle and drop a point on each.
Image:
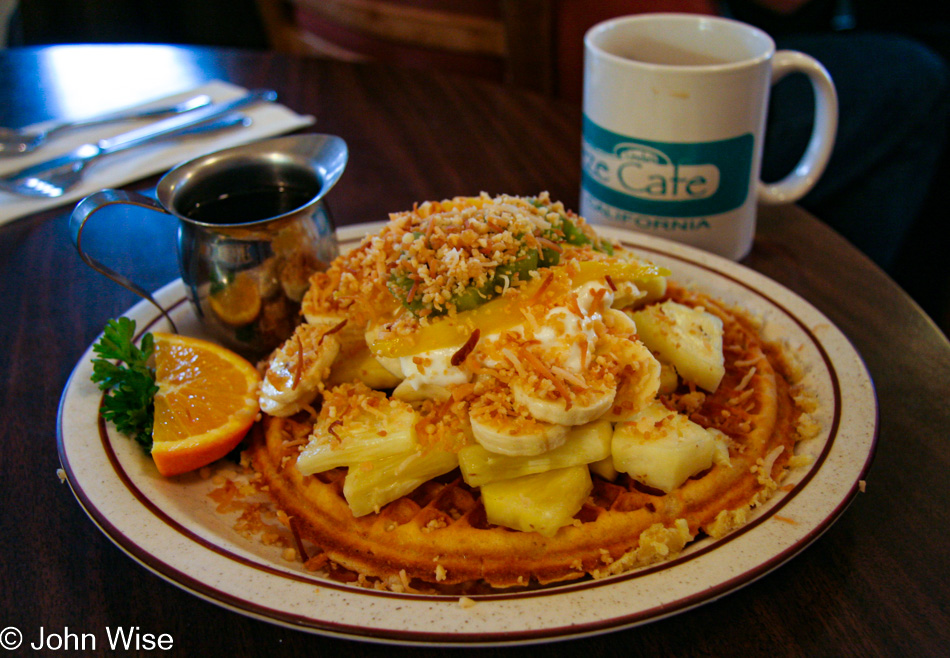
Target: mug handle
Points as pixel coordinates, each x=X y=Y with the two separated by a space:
x=806 y=173
x=84 y=211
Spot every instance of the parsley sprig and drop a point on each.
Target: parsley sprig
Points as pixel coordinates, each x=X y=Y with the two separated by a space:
x=130 y=383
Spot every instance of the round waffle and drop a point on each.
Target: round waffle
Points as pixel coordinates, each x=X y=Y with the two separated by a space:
x=438 y=538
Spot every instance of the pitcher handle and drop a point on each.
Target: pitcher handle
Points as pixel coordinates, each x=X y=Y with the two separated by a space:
x=84 y=211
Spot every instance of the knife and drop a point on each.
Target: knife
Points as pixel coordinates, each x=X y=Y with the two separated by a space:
x=166 y=128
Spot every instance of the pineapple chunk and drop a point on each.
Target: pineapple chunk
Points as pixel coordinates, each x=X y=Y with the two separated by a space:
x=662 y=448
x=371 y=485
x=690 y=339
x=654 y=287
x=584 y=444
x=363 y=437
x=361 y=366
x=605 y=469
x=646 y=289
x=542 y=503
x=669 y=380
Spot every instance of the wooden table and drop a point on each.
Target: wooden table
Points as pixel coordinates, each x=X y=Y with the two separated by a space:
x=875 y=584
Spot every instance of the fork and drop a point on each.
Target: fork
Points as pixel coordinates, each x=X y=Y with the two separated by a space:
x=17 y=141
x=53 y=178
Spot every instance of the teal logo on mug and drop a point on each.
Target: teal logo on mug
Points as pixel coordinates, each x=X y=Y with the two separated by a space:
x=666 y=179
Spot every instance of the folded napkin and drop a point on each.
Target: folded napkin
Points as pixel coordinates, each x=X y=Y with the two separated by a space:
x=268 y=119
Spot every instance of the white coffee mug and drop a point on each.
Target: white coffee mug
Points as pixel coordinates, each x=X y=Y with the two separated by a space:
x=674 y=122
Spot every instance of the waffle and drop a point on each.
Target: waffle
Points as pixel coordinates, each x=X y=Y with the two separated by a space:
x=437 y=538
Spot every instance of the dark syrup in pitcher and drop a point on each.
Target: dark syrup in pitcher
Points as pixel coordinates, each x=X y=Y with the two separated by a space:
x=248 y=206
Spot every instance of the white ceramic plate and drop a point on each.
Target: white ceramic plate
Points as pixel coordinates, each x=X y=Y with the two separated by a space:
x=171 y=527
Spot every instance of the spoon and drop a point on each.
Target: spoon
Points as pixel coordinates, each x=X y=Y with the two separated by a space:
x=18 y=141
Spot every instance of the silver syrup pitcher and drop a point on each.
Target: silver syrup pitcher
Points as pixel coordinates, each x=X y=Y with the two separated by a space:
x=253 y=226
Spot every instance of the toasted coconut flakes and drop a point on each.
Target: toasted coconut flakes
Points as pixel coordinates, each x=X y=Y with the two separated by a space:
x=737 y=400
x=746 y=379
x=310 y=410
x=748 y=362
x=334 y=329
x=550 y=245
x=540 y=291
x=574 y=306
x=412 y=291
x=598 y=300
x=459 y=357
x=404 y=580
x=298 y=370
x=543 y=370
x=569 y=376
x=515 y=361
x=367 y=405
x=770 y=460
x=530 y=321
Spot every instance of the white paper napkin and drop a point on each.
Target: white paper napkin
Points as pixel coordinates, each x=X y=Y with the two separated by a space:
x=268 y=119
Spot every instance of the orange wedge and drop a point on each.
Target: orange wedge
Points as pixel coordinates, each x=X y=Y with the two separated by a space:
x=206 y=402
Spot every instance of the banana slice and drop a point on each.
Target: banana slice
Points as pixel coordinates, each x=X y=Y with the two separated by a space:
x=355 y=362
x=619 y=323
x=498 y=428
x=351 y=336
x=586 y=406
x=297 y=368
x=406 y=392
x=527 y=443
